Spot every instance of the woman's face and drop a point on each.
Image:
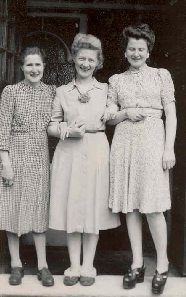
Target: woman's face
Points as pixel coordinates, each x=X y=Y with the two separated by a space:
x=33 y=68
x=137 y=52
x=86 y=61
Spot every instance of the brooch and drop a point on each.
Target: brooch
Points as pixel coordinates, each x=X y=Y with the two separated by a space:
x=84 y=98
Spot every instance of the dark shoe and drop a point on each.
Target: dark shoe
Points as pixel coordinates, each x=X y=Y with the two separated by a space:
x=87 y=280
x=158 y=282
x=133 y=276
x=16 y=276
x=70 y=280
x=45 y=276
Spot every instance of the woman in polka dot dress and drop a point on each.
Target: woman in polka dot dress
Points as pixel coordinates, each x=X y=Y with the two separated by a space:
x=142 y=153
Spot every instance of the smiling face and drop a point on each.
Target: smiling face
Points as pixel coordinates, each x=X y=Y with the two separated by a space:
x=86 y=61
x=33 y=68
x=137 y=52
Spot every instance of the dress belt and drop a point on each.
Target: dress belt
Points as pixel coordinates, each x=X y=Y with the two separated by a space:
x=94 y=131
x=149 y=112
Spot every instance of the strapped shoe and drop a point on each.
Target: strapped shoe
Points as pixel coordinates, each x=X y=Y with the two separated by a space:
x=158 y=282
x=133 y=276
x=87 y=278
x=70 y=278
x=16 y=276
x=45 y=276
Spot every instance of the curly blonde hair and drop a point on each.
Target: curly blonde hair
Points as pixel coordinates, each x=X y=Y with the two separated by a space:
x=87 y=41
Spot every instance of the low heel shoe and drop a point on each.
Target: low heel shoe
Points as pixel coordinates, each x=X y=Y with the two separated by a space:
x=16 y=276
x=45 y=276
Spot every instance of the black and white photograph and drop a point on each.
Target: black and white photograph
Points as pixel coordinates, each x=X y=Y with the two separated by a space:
x=92 y=148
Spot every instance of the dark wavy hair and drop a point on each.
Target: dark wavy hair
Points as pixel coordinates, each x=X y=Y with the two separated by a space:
x=140 y=31
x=31 y=50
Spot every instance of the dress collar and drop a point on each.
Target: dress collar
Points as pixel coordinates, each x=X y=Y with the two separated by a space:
x=136 y=71
x=95 y=84
x=24 y=86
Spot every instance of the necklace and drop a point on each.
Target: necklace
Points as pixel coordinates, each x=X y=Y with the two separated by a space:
x=84 y=97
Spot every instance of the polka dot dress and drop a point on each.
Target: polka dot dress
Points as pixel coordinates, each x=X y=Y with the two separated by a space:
x=137 y=178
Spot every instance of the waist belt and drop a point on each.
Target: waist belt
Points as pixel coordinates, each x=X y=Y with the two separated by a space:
x=149 y=112
x=94 y=131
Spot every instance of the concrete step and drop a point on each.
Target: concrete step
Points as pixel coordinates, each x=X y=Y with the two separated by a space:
x=105 y=286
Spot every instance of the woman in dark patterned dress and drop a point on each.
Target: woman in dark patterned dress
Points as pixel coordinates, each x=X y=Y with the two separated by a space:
x=25 y=111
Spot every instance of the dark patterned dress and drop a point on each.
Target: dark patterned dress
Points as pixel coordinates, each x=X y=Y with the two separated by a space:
x=24 y=116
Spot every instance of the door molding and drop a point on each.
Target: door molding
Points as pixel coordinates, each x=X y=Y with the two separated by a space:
x=83 y=20
x=41 y=32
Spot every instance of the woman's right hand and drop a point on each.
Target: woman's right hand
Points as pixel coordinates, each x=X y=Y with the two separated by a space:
x=77 y=129
x=135 y=115
x=7 y=175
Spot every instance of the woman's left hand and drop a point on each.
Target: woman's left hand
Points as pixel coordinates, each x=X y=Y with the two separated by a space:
x=168 y=159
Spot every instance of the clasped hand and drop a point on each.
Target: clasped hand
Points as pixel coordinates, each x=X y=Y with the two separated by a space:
x=135 y=115
x=168 y=159
x=77 y=128
x=109 y=114
x=8 y=175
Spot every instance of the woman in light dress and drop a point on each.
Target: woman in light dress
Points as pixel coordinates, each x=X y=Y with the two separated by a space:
x=25 y=111
x=80 y=167
x=142 y=151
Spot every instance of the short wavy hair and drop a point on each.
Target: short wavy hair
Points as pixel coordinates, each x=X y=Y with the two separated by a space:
x=31 y=50
x=140 y=31
x=87 y=41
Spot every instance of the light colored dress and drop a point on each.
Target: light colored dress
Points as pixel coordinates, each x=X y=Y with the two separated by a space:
x=80 y=167
x=137 y=178
x=24 y=116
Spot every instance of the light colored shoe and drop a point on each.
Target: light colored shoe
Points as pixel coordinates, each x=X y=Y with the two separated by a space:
x=71 y=277
x=87 y=277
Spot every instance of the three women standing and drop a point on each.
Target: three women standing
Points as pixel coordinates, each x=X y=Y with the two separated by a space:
x=141 y=155
x=142 y=152
x=25 y=111
x=80 y=167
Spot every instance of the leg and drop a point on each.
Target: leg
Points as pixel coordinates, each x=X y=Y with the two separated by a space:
x=88 y=272
x=43 y=274
x=74 y=249
x=72 y=274
x=13 y=245
x=40 y=244
x=134 y=226
x=89 y=249
x=158 y=229
x=136 y=272
x=16 y=266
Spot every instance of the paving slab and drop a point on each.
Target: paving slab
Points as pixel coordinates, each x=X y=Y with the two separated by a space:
x=105 y=286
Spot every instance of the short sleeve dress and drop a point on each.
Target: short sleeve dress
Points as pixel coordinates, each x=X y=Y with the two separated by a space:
x=24 y=116
x=137 y=178
x=80 y=167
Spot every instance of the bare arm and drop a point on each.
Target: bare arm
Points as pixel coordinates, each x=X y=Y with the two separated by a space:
x=59 y=130
x=53 y=130
x=120 y=117
x=170 y=128
x=132 y=114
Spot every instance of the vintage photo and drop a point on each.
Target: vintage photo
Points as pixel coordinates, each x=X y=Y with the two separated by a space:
x=92 y=148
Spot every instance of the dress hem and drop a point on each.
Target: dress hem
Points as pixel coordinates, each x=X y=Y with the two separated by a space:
x=141 y=211
x=84 y=231
x=24 y=232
